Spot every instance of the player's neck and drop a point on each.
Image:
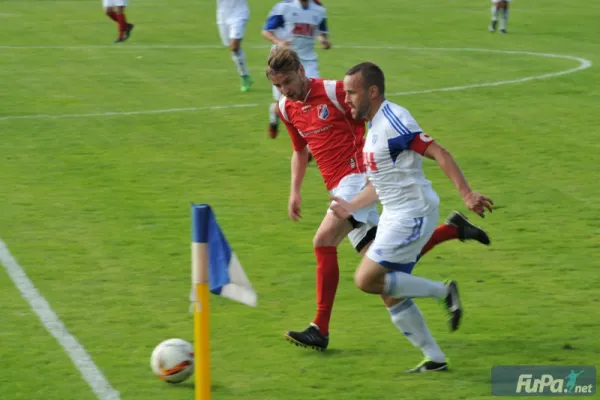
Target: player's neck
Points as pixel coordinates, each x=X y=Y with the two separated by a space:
x=375 y=105
x=305 y=89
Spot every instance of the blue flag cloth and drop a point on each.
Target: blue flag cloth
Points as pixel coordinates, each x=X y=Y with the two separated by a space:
x=225 y=273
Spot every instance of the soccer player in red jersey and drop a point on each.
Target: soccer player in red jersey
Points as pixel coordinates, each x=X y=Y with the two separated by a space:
x=115 y=10
x=316 y=115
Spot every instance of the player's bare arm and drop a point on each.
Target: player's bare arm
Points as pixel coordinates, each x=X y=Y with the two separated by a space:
x=324 y=40
x=298 y=166
x=343 y=209
x=474 y=201
x=270 y=36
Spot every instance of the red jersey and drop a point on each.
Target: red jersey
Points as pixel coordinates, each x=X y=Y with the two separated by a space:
x=324 y=123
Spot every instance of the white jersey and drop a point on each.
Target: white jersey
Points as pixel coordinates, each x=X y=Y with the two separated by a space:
x=393 y=156
x=289 y=20
x=232 y=10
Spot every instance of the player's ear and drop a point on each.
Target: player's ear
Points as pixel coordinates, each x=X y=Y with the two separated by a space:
x=373 y=92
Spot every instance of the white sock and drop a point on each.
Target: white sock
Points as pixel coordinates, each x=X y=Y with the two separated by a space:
x=494 y=13
x=407 y=317
x=273 y=116
x=504 y=19
x=239 y=58
x=400 y=284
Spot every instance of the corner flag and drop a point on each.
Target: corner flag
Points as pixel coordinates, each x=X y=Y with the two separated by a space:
x=225 y=273
x=215 y=267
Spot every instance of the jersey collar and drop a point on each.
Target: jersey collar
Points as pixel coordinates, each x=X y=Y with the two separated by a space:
x=378 y=114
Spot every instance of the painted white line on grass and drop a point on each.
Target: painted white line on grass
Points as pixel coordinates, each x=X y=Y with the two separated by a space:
x=583 y=64
x=120 y=47
x=82 y=360
x=140 y=112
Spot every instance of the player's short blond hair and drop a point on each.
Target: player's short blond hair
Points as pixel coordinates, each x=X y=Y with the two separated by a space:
x=282 y=59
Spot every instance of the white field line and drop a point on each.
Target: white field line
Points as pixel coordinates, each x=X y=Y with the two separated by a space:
x=82 y=360
x=583 y=64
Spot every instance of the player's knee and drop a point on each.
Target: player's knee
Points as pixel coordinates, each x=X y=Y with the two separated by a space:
x=327 y=237
x=363 y=282
x=234 y=45
x=323 y=239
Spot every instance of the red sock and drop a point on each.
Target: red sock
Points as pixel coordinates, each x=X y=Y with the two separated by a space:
x=112 y=15
x=441 y=234
x=328 y=276
x=122 y=21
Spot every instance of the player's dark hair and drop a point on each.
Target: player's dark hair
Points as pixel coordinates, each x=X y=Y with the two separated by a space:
x=282 y=59
x=372 y=75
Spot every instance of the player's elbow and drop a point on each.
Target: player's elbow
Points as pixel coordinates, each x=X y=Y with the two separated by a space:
x=303 y=153
x=300 y=155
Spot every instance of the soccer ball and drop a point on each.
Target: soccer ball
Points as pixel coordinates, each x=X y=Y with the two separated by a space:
x=173 y=360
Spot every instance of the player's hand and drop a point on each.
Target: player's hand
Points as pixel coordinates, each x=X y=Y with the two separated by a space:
x=284 y=43
x=478 y=203
x=326 y=44
x=294 y=206
x=341 y=208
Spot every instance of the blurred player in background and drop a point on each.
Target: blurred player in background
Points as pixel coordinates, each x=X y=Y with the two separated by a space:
x=502 y=6
x=315 y=115
x=297 y=24
x=394 y=149
x=115 y=10
x=232 y=17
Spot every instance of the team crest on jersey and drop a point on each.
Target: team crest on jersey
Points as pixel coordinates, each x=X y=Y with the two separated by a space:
x=323 y=111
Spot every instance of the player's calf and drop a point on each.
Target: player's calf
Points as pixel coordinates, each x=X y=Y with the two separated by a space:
x=124 y=26
x=239 y=59
x=110 y=13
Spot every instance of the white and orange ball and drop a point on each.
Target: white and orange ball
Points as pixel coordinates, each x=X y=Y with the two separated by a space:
x=173 y=360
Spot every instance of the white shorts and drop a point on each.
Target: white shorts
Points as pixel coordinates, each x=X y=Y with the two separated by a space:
x=311 y=69
x=499 y=1
x=114 y=3
x=232 y=29
x=400 y=239
x=348 y=188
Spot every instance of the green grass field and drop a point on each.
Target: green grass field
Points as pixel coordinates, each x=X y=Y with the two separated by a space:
x=95 y=208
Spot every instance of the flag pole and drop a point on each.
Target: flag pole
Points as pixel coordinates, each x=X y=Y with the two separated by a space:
x=200 y=220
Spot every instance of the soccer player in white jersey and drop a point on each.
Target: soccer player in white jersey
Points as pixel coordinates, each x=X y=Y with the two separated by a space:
x=297 y=24
x=499 y=5
x=115 y=10
x=232 y=17
x=393 y=154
